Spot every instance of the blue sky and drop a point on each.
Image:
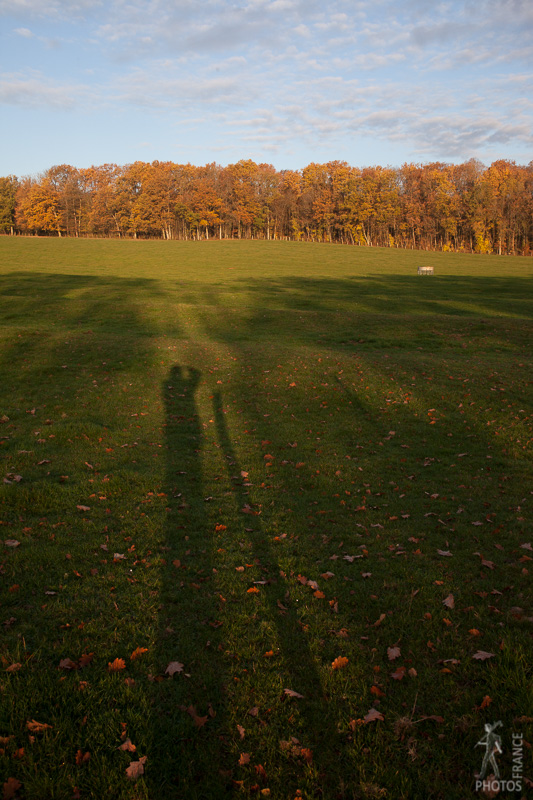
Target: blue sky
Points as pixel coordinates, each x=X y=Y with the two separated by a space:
x=285 y=82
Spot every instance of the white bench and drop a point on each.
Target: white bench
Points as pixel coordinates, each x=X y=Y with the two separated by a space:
x=426 y=271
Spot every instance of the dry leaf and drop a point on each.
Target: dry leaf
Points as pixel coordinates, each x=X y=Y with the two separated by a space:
x=292 y=693
x=116 y=665
x=11 y=787
x=398 y=675
x=198 y=721
x=241 y=730
x=244 y=759
x=83 y=508
x=340 y=662
x=253 y=590
x=14 y=667
x=68 y=663
x=37 y=727
x=449 y=601
x=374 y=715
x=379 y=621
x=82 y=758
x=136 y=769
x=482 y=655
x=174 y=667
x=11 y=543
x=137 y=653
x=128 y=746
x=393 y=652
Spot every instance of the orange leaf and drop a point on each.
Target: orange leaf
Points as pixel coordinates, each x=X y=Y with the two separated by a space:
x=398 y=675
x=116 y=665
x=137 y=653
x=82 y=758
x=319 y=594
x=253 y=590
x=244 y=759
x=340 y=662
x=127 y=746
x=486 y=701
x=268 y=654
x=375 y=690
x=37 y=727
x=85 y=660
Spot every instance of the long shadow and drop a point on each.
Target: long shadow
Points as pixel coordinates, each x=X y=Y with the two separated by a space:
x=312 y=717
x=190 y=705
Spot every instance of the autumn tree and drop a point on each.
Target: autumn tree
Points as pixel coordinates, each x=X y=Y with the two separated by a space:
x=8 y=194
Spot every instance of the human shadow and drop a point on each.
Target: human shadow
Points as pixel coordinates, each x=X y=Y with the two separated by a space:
x=189 y=706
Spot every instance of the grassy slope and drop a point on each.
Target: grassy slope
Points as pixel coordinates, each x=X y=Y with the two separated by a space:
x=364 y=418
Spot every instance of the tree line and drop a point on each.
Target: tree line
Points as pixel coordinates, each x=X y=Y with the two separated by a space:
x=464 y=207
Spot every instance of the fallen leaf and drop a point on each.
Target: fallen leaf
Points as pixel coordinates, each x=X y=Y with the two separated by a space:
x=11 y=543
x=136 y=769
x=137 y=653
x=379 y=621
x=374 y=715
x=37 y=727
x=83 y=508
x=241 y=730
x=11 y=787
x=340 y=662
x=116 y=665
x=198 y=721
x=244 y=759
x=14 y=667
x=399 y=674
x=253 y=590
x=68 y=663
x=127 y=746
x=393 y=652
x=292 y=693
x=82 y=758
x=173 y=667
x=487 y=700
x=449 y=601
x=376 y=691
x=444 y=553
x=482 y=655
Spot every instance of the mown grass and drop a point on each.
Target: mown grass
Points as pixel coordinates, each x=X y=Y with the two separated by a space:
x=236 y=416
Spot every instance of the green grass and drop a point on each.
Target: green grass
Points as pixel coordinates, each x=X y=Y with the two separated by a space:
x=253 y=415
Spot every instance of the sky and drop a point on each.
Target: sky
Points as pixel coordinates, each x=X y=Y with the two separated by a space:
x=282 y=82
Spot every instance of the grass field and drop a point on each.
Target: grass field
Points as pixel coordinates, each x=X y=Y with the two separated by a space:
x=265 y=520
